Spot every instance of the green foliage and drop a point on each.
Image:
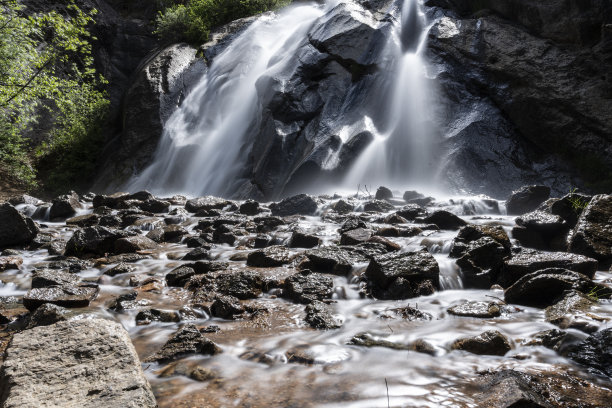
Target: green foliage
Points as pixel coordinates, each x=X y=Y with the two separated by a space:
x=193 y=21
x=578 y=204
x=46 y=71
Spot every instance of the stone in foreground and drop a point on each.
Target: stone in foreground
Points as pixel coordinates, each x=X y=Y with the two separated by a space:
x=184 y=342
x=490 y=342
x=15 y=229
x=85 y=364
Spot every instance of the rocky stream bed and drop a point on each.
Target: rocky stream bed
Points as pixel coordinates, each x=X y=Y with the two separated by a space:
x=396 y=299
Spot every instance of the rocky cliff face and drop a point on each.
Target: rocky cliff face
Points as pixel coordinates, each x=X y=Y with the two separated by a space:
x=524 y=96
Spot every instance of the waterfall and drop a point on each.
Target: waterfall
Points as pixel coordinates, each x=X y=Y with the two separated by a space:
x=201 y=148
x=206 y=143
x=401 y=153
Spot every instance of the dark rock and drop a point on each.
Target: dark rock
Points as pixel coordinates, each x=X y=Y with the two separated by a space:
x=155 y=206
x=65 y=206
x=244 y=284
x=124 y=302
x=334 y=260
x=573 y=312
x=262 y=241
x=384 y=269
x=267 y=224
x=307 y=286
x=320 y=316
x=226 y=307
x=119 y=269
x=10 y=262
x=301 y=240
x=87 y=220
x=134 y=244
x=206 y=203
x=197 y=254
x=24 y=199
x=47 y=315
x=342 y=207
x=409 y=313
x=595 y=353
x=545 y=287
x=395 y=219
x=15 y=229
x=187 y=340
x=570 y=206
x=526 y=199
x=66 y=296
x=411 y=212
x=46 y=278
x=148 y=316
x=180 y=276
x=387 y=243
x=249 y=208
x=301 y=204
x=592 y=235
x=490 y=342
x=541 y=230
x=476 y=309
x=270 y=257
x=474 y=232
x=46 y=366
x=528 y=261
x=444 y=220
x=94 y=240
x=383 y=193
x=552 y=339
x=411 y=195
x=111 y=221
x=111 y=201
x=377 y=206
x=481 y=262
x=355 y=236
x=173 y=233
x=352 y=223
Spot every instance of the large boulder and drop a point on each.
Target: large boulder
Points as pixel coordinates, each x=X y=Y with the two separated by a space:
x=491 y=342
x=94 y=240
x=15 y=228
x=526 y=199
x=595 y=353
x=301 y=204
x=541 y=230
x=65 y=206
x=592 y=235
x=186 y=341
x=86 y=363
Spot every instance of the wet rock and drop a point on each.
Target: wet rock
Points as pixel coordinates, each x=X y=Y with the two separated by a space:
x=412 y=195
x=367 y=339
x=592 y=235
x=148 y=316
x=572 y=312
x=411 y=212
x=355 y=236
x=10 y=262
x=342 y=207
x=119 y=269
x=552 y=339
x=173 y=233
x=244 y=284
x=47 y=277
x=65 y=296
x=485 y=310
x=383 y=193
x=65 y=206
x=15 y=228
x=413 y=266
x=352 y=223
x=24 y=199
x=302 y=240
x=124 y=302
x=444 y=220
x=387 y=243
x=407 y=313
x=526 y=199
x=377 y=206
x=94 y=240
x=189 y=369
x=332 y=260
x=87 y=220
x=270 y=257
x=111 y=201
x=155 y=206
x=206 y=203
x=541 y=230
x=187 y=340
x=301 y=204
x=134 y=244
x=180 y=276
x=490 y=342
x=570 y=207
x=100 y=348
x=249 y=208
x=528 y=261
x=226 y=307
x=395 y=219
x=545 y=287
x=320 y=316
x=47 y=315
x=595 y=353
x=111 y=221
x=268 y=224
x=481 y=262
x=473 y=232
x=197 y=254
x=307 y=286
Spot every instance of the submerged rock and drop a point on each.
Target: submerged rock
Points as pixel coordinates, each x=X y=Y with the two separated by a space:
x=187 y=340
x=86 y=363
x=490 y=342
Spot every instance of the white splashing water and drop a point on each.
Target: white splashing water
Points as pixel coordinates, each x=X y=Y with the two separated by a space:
x=402 y=154
x=201 y=148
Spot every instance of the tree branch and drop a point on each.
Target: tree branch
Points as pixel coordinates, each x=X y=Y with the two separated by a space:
x=27 y=84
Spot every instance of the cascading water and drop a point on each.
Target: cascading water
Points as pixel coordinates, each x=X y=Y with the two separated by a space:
x=401 y=152
x=201 y=148
x=206 y=143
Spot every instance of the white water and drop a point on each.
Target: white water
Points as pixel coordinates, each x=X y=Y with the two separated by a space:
x=401 y=154
x=205 y=145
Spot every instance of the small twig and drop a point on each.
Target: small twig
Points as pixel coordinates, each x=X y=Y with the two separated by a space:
x=388 y=401
x=389 y=326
